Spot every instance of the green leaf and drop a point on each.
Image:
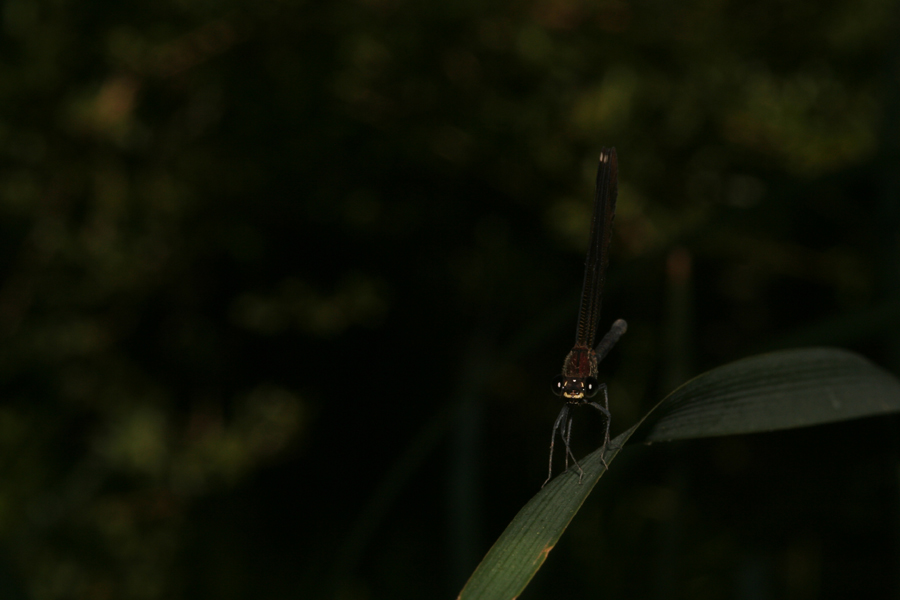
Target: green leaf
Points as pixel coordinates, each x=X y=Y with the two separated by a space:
x=780 y=390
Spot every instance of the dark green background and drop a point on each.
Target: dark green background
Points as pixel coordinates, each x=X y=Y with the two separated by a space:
x=285 y=284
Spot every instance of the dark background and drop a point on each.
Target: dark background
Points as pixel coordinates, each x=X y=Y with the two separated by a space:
x=285 y=284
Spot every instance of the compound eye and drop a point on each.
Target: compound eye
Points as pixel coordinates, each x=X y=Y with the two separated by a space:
x=591 y=387
x=558 y=383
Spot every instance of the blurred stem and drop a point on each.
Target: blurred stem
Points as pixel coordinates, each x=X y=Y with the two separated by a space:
x=678 y=346
x=677 y=367
x=476 y=367
x=890 y=199
x=464 y=509
x=372 y=515
x=890 y=191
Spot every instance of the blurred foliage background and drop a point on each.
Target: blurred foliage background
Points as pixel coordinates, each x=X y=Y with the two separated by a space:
x=285 y=283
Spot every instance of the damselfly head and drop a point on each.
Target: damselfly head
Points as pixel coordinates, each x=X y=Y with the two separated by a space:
x=575 y=388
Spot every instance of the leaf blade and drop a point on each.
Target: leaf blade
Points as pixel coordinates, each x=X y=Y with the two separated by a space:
x=525 y=543
x=780 y=390
x=768 y=392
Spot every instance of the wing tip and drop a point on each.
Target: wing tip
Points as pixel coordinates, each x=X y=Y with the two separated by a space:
x=607 y=153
